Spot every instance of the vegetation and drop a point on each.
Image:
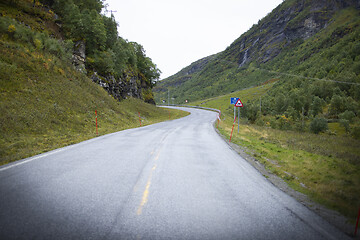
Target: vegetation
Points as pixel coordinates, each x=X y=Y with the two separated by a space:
x=301 y=118
x=46 y=103
x=323 y=166
x=318 y=77
x=80 y=21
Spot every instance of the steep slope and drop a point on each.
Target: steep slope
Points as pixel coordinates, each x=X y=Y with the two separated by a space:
x=292 y=25
x=185 y=74
x=45 y=103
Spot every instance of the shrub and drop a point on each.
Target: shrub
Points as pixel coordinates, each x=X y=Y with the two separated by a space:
x=38 y=44
x=356 y=132
x=347 y=115
x=346 y=124
x=11 y=28
x=318 y=125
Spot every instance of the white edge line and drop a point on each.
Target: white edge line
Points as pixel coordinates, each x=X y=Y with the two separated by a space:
x=42 y=155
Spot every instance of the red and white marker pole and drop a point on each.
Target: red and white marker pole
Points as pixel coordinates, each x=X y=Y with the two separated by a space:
x=219 y=118
x=96 y=122
x=357 y=223
x=232 y=129
x=139 y=118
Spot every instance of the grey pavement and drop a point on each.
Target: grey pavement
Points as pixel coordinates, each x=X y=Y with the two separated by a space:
x=172 y=180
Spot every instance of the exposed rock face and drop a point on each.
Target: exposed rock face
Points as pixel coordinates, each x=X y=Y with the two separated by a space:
x=121 y=88
x=299 y=22
x=79 y=56
x=129 y=85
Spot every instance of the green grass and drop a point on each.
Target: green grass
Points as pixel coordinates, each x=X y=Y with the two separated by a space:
x=223 y=102
x=46 y=104
x=324 y=167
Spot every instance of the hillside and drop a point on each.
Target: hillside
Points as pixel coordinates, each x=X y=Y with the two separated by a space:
x=311 y=47
x=46 y=103
x=306 y=26
x=298 y=74
x=324 y=167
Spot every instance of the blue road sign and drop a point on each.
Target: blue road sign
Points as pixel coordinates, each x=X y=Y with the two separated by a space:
x=233 y=100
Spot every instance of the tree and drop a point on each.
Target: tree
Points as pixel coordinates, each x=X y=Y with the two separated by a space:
x=251 y=111
x=318 y=125
x=146 y=66
x=316 y=106
x=71 y=18
x=111 y=31
x=96 y=5
x=347 y=115
x=94 y=31
x=280 y=103
x=336 y=105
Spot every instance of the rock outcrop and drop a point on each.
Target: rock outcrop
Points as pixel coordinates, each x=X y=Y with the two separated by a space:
x=79 y=56
x=128 y=85
x=298 y=22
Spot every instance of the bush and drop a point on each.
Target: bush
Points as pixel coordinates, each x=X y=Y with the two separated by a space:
x=346 y=124
x=347 y=115
x=318 y=125
x=356 y=133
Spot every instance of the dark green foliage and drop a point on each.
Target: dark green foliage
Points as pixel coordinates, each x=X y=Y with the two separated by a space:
x=316 y=77
x=251 y=111
x=103 y=62
x=106 y=52
x=347 y=115
x=316 y=106
x=356 y=132
x=346 y=124
x=318 y=125
x=111 y=31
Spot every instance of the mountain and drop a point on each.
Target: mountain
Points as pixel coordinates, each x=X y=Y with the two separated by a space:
x=311 y=39
x=46 y=101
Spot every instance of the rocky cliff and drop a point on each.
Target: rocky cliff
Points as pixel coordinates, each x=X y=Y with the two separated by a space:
x=130 y=84
x=291 y=22
x=120 y=88
x=295 y=29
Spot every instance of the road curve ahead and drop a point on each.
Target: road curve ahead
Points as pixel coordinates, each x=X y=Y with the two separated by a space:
x=173 y=180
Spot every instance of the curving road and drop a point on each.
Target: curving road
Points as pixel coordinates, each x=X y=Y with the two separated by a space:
x=173 y=180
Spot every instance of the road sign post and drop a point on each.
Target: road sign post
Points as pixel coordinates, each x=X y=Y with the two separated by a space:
x=233 y=101
x=238 y=104
x=238 y=119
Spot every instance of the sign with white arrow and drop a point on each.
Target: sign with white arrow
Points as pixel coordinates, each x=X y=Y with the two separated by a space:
x=233 y=100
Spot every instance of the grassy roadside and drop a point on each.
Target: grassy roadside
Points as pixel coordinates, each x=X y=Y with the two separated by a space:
x=15 y=146
x=46 y=104
x=324 y=167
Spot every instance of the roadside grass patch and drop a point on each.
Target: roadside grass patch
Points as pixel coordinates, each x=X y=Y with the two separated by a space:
x=47 y=106
x=326 y=168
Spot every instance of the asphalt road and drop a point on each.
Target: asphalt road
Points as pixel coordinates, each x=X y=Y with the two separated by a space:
x=173 y=180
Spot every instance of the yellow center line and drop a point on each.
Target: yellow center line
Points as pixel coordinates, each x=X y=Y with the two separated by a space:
x=145 y=195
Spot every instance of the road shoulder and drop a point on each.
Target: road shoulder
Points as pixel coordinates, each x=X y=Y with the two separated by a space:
x=333 y=217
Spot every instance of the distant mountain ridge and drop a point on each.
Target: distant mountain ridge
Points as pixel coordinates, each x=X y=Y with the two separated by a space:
x=290 y=25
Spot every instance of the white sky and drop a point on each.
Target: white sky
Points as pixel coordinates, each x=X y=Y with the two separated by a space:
x=175 y=33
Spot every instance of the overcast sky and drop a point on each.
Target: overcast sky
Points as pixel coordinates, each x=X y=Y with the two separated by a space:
x=176 y=33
